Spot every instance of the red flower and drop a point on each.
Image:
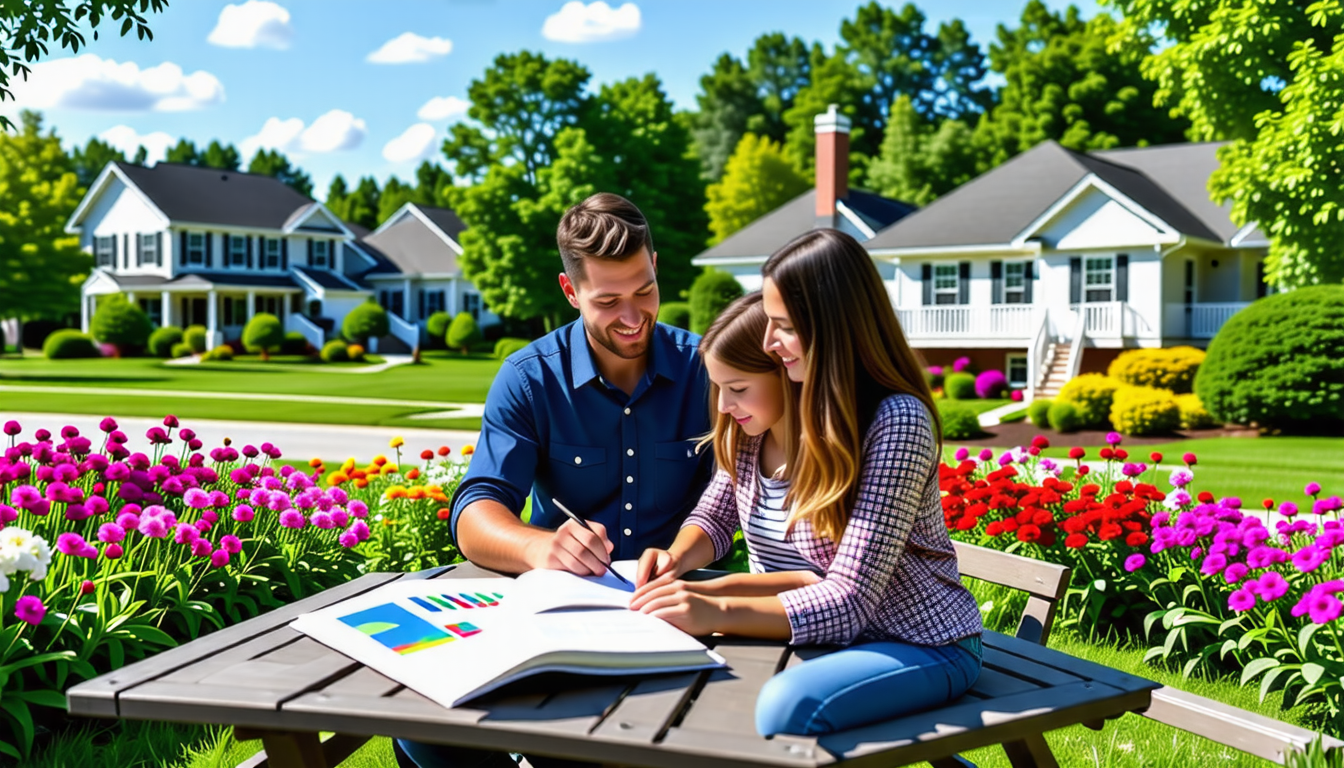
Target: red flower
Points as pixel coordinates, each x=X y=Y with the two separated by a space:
x=994 y=529
x=444 y=513
x=1077 y=453
x=444 y=450
x=1082 y=471
x=1136 y=539
x=1156 y=457
x=1110 y=531
x=1267 y=503
x=1189 y=459
x=1040 y=441
x=1205 y=497
x=1106 y=453
x=1028 y=533
x=1076 y=540
x=1121 y=454
x=426 y=455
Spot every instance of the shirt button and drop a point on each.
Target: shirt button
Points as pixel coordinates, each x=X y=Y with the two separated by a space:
x=627 y=411
x=578 y=459
x=628 y=505
x=629 y=451
x=627 y=531
x=629 y=478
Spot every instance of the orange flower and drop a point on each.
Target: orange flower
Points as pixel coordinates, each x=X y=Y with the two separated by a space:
x=361 y=483
x=396 y=492
x=444 y=450
x=379 y=460
x=444 y=513
x=387 y=469
x=314 y=463
x=336 y=478
x=358 y=474
x=426 y=454
x=438 y=497
x=347 y=465
x=412 y=474
x=415 y=493
x=467 y=450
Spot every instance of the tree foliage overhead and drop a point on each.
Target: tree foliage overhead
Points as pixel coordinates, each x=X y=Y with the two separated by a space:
x=215 y=155
x=1268 y=75
x=41 y=267
x=90 y=160
x=757 y=180
x=273 y=163
x=358 y=205
x=28 y=29
x=921 y=160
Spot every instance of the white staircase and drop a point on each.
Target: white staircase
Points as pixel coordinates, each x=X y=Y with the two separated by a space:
x=1056 y=371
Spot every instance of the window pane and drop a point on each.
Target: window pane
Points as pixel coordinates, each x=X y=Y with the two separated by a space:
x=1014 y=274
x=1099 y=295
x=1014 y=297
x=945 y=298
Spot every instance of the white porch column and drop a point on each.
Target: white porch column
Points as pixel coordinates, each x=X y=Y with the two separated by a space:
x=451 y=304
x=166 y=304
x=85 y=311
x=251 y=305
x=130 y=297
x=212 y=319
x=407 y=310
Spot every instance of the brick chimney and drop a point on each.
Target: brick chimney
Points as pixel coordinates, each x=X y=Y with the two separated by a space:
x=832 y=163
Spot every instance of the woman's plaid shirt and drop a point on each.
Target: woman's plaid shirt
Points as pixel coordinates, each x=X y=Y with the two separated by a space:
x=893 y=575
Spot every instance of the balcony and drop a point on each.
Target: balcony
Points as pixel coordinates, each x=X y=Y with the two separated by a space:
x=1200 y=321
x=958 y=324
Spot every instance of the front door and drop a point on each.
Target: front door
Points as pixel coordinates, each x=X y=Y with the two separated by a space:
x=193 y=312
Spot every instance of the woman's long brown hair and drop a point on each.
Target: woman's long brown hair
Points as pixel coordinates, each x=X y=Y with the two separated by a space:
x=855 y=355
x=735 y=339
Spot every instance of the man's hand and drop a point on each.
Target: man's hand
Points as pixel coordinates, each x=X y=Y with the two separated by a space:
x=574 y=549
x=655 y=563
x=677 y=603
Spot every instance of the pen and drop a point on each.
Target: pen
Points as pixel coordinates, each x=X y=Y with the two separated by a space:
x=586 y=527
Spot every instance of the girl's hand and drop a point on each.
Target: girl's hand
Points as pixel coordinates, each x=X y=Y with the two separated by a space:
x=676 y=603
x=655 y=563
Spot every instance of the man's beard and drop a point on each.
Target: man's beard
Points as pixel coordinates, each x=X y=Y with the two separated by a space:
x=627 y=350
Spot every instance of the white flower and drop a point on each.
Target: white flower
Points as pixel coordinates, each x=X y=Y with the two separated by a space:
x=4 y=583
x=1177 y=499
x=20 y=550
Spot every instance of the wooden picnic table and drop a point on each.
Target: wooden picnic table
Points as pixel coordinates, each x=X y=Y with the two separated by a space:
x=273 y=683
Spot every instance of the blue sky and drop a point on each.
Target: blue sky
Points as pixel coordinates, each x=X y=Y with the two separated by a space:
x=361 y=87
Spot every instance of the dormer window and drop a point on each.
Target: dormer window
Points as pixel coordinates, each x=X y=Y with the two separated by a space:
x=195 y=248
x=105 y=251
x=270 y=253
x=321 y=253
x=237 y=251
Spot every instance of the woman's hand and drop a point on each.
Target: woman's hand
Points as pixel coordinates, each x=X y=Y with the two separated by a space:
x=655 y=563
x=677 y=603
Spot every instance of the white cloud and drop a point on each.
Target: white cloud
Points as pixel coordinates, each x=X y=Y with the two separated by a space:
x=336 y=130
x=595 y=22
x=410 y=48
x=443 y=108
x=416 y=143
x=126 y=139
x=90 y=82
x=254 y=24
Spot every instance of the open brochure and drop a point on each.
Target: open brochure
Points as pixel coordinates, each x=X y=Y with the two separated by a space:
x=454 y=639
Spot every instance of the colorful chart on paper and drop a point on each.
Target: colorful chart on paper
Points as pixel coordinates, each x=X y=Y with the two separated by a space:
x=397 y=628
x=460 y=601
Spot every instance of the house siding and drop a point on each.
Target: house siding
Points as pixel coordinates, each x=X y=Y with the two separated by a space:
x=122 y=213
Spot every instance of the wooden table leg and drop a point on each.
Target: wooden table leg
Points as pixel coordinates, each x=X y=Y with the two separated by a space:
x=1031 y=752
x=286 y=749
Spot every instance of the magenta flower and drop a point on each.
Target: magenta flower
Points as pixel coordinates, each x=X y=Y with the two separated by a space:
x=1213 y=564
x=219 y=558
x=73 y=544
x=1113 y=438
x=201 y=547
x=203 y=525
x=340 y=517
x=231 y=544
x=195 y=498
x=961 y=364
x=1309 y=558
x=29 y=608
x=243 y=513
x=128 y=521
x=186 y=533
x=323 y=520
x=153 y=527
x=1134 y=562
x=12 y=428
x=360 y=529
x=1235 y=572
x=962 y=454
x=170 y=421
x=110 y=533
x=358 y=508
x=41 y=435
x=1272 y=586
x=1324 y=608
x=25 y=496
x=157 y=436
x=986 y=454
x=1241 y=600
x=292 y=518
x=1131 y=469
x=108 y=425
x=112 y=551
x=1312 y=488
x=337 y=496
x=1287 y=509
x=347 y=539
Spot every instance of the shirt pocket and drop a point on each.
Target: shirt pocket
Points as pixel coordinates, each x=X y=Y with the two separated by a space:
x=675 y=469
x=581 y=477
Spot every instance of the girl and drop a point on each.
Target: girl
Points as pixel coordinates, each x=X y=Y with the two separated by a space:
x=872 y=566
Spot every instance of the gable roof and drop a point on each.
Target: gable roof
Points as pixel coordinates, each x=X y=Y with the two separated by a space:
x=996 y=207
x=766 y=234
x=188 y=193
x=416 y=240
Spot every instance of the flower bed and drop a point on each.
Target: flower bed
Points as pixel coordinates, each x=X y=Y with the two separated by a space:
x=109 y=555
x=1203 y=581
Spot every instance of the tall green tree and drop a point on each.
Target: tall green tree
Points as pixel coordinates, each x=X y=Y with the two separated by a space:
x=90 y=159
x=396 y=193
x=272 y=163
x=431 y=182
x=728 y=100
x=29 y=28
x=922 y=159
x=184 y=152
x=835 y=80
x=1266 y=75
x=757 y=180
x=215 y=155
x=41 y=267
x=779 y=66
x=1063 y=83
x=358 y=205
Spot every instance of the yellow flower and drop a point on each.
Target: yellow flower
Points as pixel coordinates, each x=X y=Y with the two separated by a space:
x=467 y=450
x=388 y=469
x=348 y=465
x=433 y=489
x=314 y=463
x=379 y=460
x=396 y=492
x=336 y=478
x=397 y=442
x=361 y=483
x=415 y=493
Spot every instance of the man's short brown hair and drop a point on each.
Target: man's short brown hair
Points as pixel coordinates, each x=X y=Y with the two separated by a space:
x=605 y=226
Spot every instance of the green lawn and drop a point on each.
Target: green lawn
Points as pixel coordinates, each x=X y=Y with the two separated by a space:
x=977 y=405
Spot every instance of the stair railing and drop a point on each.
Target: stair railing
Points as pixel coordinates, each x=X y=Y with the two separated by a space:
x=1076 y=344
x=1037 y=364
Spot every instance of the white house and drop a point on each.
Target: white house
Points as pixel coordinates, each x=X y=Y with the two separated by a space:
x=1055 y=261
x=213 y=247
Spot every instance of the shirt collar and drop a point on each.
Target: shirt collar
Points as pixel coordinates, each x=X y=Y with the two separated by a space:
x=662 y=355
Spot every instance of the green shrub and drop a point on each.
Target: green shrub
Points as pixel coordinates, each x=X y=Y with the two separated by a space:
x=1064 y=417
x=294 y=343
x=1144 y=411
x=68 y=344
x=1193 y=413
x=959 y=386
x=1171 y=369
x=33 y=333
x=355 y=353
x=436 y=327
x=335 y=351
x=263 y=334
x=1277 y=363
x=181 y=349
x=710 y=294
x=1039 y=412
x=366 y=320
x=1092 y=395
x=462 y=332
x=3 y=348
x=162 y=341
x=195 y=337
x=676 y=314
x=959 y=421
x=119 y=322
x=223 y=352
x=508 y=345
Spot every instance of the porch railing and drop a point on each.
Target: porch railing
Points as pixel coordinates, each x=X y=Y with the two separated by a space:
x=1005 y=321
x=1207 y=319
x=408 y=333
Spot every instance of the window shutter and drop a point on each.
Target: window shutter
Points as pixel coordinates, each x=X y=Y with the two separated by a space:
x=996 y=282
x=158 y=249
x=310 y=253
x=1075 y=279
x=1122 y=277
x=125 y=251
x=209 y=243
x=421 y=297
x=249 y=250
x=284 y=254
x=926 y=277
x=182 y=250
x=139 y=251
x=964 y=283
x=1027 y=279
x=114 y=252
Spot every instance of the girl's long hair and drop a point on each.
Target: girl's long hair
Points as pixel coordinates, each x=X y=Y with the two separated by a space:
x=735 y=339
x=855 y=355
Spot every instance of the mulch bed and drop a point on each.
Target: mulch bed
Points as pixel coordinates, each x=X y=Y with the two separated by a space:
x=1021 y=433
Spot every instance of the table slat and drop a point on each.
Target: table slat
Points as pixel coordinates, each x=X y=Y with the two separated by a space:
x=231 y=657
x=727 y=702
x=1031 y=652
x=649 y=708
x=363 y=682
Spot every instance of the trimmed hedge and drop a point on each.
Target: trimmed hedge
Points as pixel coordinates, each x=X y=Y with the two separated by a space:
x=710 y=294
x=1277 y=363
x=222 y=353
x=960 y=422
x=335 y=351
x=182 y=349
x=195 y=337
x=1172 y=369
x=1145 y=411
x=1193 y=413
x=162 y=341
x=1091 y=395
x=295 y=343
x=436 y=325
x=365 y=321
x=1064 y=416
x=264 y=334
x=462 y=332
x=119 y=322
x=676 y=314
x=959 y=386
x=1039 y=412
x=508 y=345
x=69 y=344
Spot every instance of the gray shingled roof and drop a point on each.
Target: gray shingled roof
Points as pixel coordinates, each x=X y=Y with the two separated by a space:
x=190 y=193
x=765 y=235
x=445 y=219
x=996 y=206
x=327 y=279
x=204 y=280
x=413 y=248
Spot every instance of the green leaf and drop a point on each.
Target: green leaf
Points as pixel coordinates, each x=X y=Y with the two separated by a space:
x=45 y=698
x=8 y=749
x=1256 y=667
x=149 y=634
x=1190 y=666
x=1227 y=646
x=1311 y=672
x=1155 y=652
x=1267 y=682
x=1149 y=620
x=23 y=721
x=1304 y=636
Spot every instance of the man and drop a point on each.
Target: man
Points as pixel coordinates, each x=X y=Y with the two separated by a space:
x=602 y=415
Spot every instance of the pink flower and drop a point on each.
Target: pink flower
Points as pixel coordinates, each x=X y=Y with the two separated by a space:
x=154 y=527
x=357 y=508
x=186 y=533
x=73 y=544
x=1134 y=562
x=86 y=587
x=1287 y=509
x=112 y=551
x=201 y=547
x=1213 y=564
x=292 y=518
x=962 y=454
x=360 y=529
x=1235 y=572
x=1309 y=558
x=243 y=513
x=219 y=558
x=30 y=609
x=986 y=454
x=1272 y=586
x=323 y=520
x=340 y=517
x=1324 y=608
x=348 y=539
x=25 y=496
x=110 y=533
x=1241 y=600
x=196 y=498
x=231 y=544
x=1113 y=438
x=8 y=514
x=1312 y=488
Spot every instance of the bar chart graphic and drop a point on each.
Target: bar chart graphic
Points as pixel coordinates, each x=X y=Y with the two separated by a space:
x=397 y=629
x=463 y=601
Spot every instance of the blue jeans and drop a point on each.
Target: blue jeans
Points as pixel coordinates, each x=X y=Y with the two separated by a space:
x=865 y=683
x=413 y=754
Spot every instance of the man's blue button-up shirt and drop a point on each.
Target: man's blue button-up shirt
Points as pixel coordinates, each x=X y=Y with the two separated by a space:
x=554 y=428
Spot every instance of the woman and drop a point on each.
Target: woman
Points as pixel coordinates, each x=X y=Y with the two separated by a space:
x=862 y=507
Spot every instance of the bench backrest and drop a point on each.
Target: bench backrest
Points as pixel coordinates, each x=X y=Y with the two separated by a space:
x=1043 y=582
